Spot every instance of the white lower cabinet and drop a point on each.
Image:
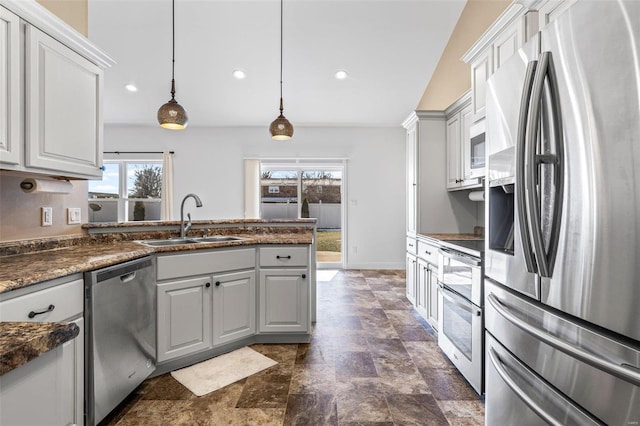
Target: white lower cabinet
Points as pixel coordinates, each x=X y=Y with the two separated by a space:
x=53 y=383
x=207 y=299
x=411 y=278
x=422 y=280
x=184 y=317
x=234 y=306
x=284 y=300
x=431 y=286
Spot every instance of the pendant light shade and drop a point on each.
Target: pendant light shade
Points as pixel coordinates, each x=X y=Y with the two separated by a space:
x=281 y=129
x=172 y=115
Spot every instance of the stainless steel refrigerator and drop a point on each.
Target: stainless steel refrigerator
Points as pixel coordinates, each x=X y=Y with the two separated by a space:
x=562 y=262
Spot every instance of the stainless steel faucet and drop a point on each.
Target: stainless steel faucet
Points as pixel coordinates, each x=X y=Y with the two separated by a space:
x=184 y=228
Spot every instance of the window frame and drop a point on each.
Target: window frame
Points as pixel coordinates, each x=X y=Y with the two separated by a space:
x=123 y=200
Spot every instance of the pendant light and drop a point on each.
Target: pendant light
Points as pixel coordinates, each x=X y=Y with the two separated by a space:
x=281 y=129
x=172 y=115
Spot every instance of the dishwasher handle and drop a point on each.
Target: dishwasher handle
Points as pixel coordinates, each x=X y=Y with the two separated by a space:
x=127 y=277
x=123 y=271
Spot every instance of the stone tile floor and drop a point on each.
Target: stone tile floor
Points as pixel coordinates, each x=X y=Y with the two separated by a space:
x=372 y=361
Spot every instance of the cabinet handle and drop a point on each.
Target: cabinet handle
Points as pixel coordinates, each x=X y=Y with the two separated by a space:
x=283 y=257
x=304 y=275
x=207 y=285
x=32 y=314
x=428 y=252
x=217 y=283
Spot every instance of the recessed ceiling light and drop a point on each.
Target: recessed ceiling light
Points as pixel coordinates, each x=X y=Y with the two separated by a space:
x=341 y=75
x=131 y=87
x=239 y=74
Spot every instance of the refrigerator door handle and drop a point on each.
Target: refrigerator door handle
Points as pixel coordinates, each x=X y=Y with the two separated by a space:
x=595 y=360
x=520 y=151
x=550 y=395
x=557 y=160
x=531 y=176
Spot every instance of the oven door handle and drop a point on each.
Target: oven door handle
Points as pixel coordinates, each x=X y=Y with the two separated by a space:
x=462 y=259
x=466 y=305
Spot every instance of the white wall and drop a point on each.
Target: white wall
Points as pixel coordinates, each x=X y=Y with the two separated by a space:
x=209 y=162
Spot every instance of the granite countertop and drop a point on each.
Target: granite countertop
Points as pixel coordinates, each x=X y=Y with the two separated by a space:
x=20 y=342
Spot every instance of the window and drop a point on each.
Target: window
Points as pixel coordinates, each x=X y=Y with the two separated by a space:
x=130 y=190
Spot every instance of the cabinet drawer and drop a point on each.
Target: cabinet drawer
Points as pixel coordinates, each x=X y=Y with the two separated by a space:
x=205 y=262
x=67 y=301
x=428 y=252
x=283 y=256
x=412 y=246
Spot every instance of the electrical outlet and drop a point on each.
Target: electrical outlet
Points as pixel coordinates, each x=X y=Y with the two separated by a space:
x=47 y=216
x=354 y=249
x=73 y=216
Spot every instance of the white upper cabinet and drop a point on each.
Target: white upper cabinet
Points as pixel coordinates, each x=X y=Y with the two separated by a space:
x=459 y=147
x=412 y=177
x=548 y=11
x=10 y=151
x=64 y=108
x=52 y=84
x=481 y=69
x=501 y=40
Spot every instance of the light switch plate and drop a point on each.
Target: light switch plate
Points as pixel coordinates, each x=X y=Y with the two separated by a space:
x=47 y=216
x=73 y=216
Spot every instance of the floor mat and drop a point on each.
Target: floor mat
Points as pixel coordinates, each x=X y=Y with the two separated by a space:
x=218 y=372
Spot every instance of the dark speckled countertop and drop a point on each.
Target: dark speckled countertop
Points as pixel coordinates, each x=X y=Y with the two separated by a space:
x=20 y=342
x=29 y=262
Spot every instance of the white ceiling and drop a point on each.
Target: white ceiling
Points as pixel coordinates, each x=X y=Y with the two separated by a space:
x=390 y=48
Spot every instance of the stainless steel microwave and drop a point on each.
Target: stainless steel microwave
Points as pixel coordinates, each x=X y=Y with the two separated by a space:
x=477 y=159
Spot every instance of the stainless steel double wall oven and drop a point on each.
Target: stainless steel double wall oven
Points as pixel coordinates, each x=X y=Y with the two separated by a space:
x=460 y=316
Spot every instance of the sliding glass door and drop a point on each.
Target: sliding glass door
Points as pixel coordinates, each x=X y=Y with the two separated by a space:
x=291 y=191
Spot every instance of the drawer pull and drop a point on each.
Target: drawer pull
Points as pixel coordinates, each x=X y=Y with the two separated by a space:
x=428 y=252
x=283 y=257
x=304 y=275
x=32 y=314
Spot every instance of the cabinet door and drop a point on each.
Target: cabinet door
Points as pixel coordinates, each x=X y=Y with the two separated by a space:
x=412 y=179
x=10 y=141
x=234 y=306
x=550 y=11
x=284 y=300
x=411 y=278
x=507 y=43
x=432 y=298
x=481 y=69
x=38 y=392
x=454 y=128
x=63 y=108
x=465 y=142
x=422 y=288
x=73 y=353
x=184 y=317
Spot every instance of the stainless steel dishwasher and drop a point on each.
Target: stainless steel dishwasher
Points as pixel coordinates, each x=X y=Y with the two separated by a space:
x=120 y=311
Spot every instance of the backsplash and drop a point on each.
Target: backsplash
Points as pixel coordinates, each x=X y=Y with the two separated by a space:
x=20 y=212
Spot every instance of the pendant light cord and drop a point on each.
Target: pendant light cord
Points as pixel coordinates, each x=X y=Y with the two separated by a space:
x=173 y=48
x=281 y=27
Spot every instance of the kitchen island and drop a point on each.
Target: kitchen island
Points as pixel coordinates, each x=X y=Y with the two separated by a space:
x=28 y=265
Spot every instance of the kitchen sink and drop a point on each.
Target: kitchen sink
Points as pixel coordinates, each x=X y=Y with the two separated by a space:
x=168 y=242
x=217 y=239
x=180 y=241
